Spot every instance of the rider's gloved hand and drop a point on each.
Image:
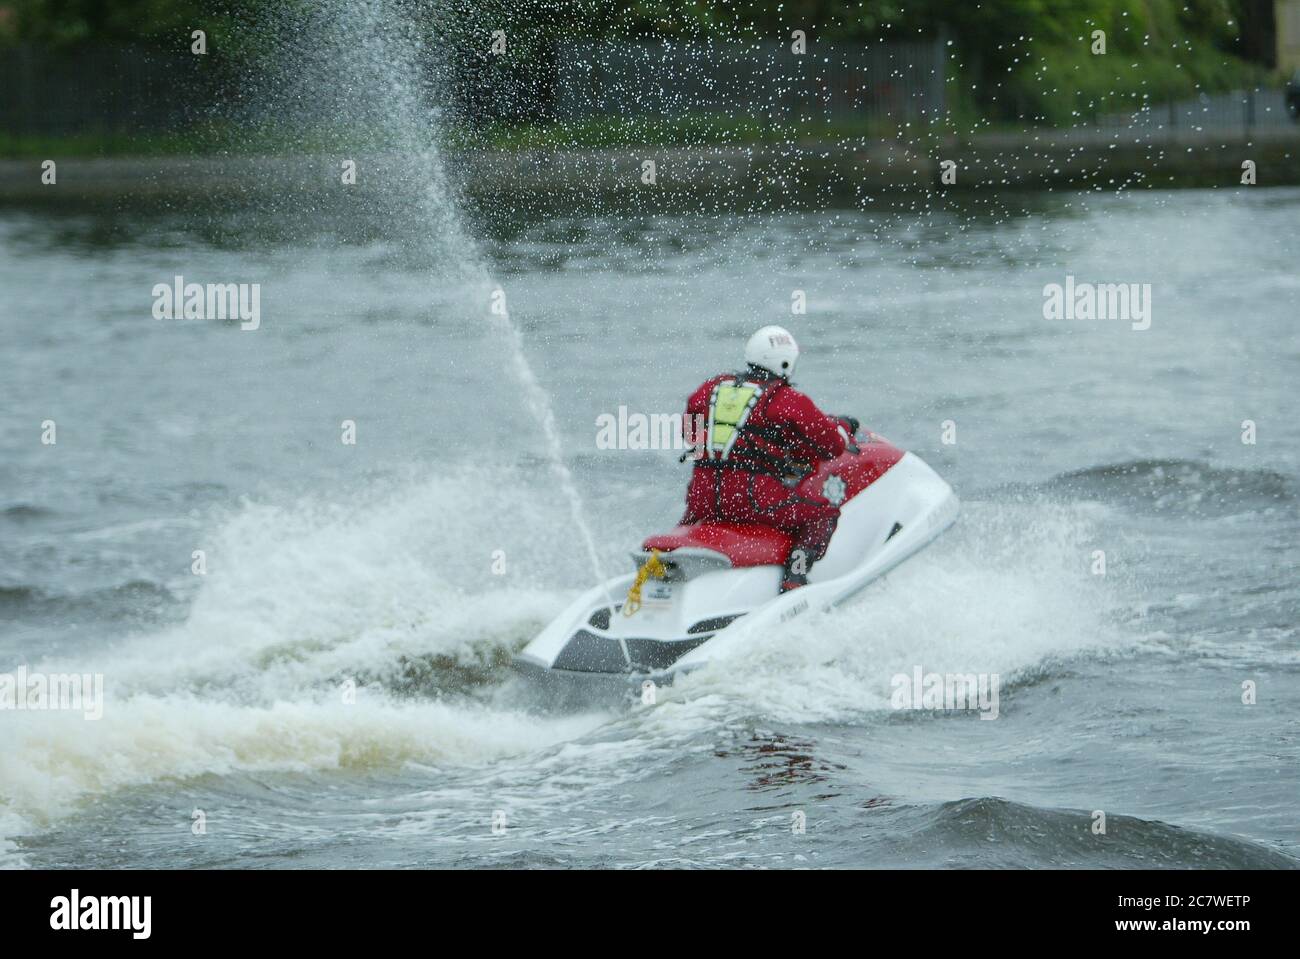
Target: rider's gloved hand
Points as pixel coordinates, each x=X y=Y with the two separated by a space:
x=850 y=423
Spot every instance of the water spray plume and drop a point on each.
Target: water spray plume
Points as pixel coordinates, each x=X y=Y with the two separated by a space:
x=366 y=67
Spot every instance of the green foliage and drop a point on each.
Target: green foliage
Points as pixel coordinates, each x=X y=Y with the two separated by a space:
x=1028 y=59
x=1014 y=58
x=62 y=24
x=1154 y=50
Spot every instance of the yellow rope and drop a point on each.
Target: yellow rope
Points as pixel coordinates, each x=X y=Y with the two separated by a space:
x=651 y=567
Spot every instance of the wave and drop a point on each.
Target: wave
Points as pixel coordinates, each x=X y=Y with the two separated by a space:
x=1173 y=486
x=18 y=597
x=390 y=590
x=1027 y=836
x=124 y=600
x=25 y=512
x=54 y=761
x=1007 y=591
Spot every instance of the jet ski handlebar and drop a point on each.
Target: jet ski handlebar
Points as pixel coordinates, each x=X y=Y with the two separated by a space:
x=851 y=426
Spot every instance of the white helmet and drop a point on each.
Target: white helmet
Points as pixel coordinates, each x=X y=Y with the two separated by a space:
x=773 y=348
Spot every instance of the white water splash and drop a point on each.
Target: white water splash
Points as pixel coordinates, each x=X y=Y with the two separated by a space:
x=363 y=64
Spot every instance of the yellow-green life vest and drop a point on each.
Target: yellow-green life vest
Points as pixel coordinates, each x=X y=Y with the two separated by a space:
x=729 y=408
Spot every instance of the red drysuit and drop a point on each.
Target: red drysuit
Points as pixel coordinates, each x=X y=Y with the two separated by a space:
x=784 y=435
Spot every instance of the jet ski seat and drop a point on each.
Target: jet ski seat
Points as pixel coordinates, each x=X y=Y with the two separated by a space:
x=742 y=544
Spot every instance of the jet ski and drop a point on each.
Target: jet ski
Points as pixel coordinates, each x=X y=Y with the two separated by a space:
x=703 y=591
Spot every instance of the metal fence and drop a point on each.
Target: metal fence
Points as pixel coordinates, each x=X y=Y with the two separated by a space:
x=107 y=90
x=101 y=89
x=1236 y=111
x=134 y=90
x=762 y=80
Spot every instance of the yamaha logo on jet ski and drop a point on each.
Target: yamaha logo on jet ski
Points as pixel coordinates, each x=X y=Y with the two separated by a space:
x=795 y=610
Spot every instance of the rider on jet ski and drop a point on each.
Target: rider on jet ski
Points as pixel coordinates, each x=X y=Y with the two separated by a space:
x=763 y=436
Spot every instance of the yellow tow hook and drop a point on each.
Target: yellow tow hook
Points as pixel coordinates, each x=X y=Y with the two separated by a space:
x=652 y=567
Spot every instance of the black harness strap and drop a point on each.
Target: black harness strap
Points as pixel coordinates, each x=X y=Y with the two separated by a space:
x=759 y=462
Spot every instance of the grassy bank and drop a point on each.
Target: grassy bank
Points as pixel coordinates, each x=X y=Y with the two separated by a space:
x=691 y=131
x=697 y=129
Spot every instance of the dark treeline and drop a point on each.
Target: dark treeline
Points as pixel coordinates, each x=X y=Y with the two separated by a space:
x=1010 y=58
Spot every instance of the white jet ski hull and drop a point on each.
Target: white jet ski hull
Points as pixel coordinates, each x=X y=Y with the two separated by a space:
x=715 y=610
